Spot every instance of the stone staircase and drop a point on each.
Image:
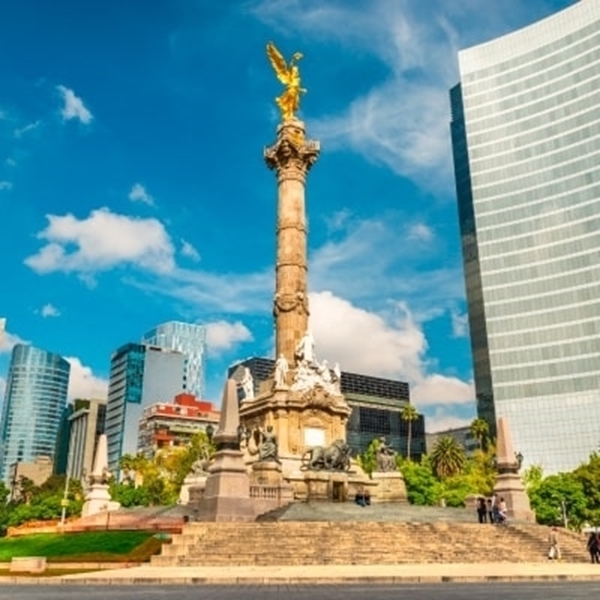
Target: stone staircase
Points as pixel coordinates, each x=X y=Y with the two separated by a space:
x=336 y=543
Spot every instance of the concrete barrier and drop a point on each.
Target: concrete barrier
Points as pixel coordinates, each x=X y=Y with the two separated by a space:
x=28 y=564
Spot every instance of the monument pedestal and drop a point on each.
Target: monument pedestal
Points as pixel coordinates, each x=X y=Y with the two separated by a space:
x=508 y=482
x=321 y=486
x=98 y=500
x=390 y=487
x=268 y=489
x=227 y=492
x=510 y=487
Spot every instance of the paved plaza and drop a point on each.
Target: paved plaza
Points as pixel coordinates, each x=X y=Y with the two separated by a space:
x=447 y=591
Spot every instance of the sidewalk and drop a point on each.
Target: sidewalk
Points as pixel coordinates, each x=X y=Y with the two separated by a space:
x=329 y=574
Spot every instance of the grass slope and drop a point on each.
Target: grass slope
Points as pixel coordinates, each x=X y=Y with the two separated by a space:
x=105 y=546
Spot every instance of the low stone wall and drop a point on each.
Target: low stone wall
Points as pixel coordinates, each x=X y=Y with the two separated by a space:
x=28 y=564
x=92 y=566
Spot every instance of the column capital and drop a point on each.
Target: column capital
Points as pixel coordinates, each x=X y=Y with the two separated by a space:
x=292 y=155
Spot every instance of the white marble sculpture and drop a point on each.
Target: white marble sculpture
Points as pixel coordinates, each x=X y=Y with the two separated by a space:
x=281 y=371
x=247 y=384
x=305 y=350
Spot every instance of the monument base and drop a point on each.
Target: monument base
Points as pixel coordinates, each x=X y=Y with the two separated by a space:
x=192 y=489
x=321 y=486
x=98 y=500
x=227 y=492
x=390 y=487
x=268 y=489
x=510 y=487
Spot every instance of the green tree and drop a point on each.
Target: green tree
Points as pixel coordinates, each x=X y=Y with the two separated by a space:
x=532 y=477
x=408 y=415
x=447 y=457
x=480 y=471
x=480 y=431
x=422 y=487
x=368 y=459
x=556 y=491
x=588 y=475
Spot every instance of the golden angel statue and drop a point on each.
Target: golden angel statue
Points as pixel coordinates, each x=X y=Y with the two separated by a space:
x=289 y=75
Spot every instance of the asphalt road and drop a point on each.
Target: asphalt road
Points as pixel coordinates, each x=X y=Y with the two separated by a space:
x=443 y=591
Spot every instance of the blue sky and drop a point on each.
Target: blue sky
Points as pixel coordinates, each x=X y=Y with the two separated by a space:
x=133 y=189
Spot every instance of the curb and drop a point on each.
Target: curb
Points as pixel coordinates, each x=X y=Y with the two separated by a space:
x=360 y=580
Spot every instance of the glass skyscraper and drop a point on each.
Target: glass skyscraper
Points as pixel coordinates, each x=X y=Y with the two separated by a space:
x=34 y=402
x=188 y=339
x=526 y=141
x=140 y=375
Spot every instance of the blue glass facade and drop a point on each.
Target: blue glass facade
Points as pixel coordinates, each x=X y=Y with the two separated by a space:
x=34 y=403
x=526 y=141
x=140 y=375
x=190 y=340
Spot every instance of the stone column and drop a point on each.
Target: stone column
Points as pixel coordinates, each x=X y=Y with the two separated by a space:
x=291 y=157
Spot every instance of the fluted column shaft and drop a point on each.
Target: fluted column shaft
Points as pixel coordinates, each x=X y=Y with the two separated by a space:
x=291 y=157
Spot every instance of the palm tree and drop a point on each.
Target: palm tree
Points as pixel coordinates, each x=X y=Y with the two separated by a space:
x=479 y=430
x=409 y=414
x=447 y=457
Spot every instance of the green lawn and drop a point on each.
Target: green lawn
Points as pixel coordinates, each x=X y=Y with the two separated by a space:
x=93 y=546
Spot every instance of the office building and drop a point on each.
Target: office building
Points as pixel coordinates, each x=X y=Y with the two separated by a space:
x=190 y=340
x=140 y=375
x=462 y=435
x=37 y=471
x=376 y=405
x=526 y=141
x=172 y=424
x=86 y=424
x=34 y=401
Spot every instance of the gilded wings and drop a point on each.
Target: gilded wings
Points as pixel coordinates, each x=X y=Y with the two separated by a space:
x=289 y=76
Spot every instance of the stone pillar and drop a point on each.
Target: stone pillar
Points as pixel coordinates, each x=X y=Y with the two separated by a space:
x=291 y=157
x=508 y=481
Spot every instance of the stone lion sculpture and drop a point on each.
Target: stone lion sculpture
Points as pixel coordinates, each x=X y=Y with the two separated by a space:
x=335 y=457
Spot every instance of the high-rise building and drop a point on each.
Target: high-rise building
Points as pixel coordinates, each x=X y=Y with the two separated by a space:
x=34 y=401
x=86 y=425
x=526 y=141
x=190 y=340
x=140 y=375
x=172 y=424
x=376 y=405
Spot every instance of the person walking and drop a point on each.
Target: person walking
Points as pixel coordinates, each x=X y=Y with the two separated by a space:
x=481 y=510
x=554 y=550
x=593 y=547
x=490 y=510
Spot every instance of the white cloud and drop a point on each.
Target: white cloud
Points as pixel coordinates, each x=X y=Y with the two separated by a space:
x=437 y=389
x=48 y=310
x=239 y=293
x=420 y=232
x=9 y=340
x=5 y=185
x=442 y=419
x=27 y=128
x=189 y=251
x=222 y=335
x=102 y=241
x=83 y=383
x=371 y=263
x=364 y=342
x=138 y=193
x=460 y=324
x=73 y=107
